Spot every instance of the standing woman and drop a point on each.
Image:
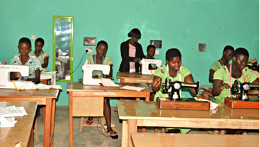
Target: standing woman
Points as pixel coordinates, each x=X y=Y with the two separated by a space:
x=131 y=52
x=41 y=55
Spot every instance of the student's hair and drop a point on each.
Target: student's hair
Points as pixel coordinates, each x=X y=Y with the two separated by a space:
x=150 y=46
x=102 y=42
x=134 y=33
x=171 y=53
x=228 y=47
x=241 y=51
x=25 y=40
x=40 y=40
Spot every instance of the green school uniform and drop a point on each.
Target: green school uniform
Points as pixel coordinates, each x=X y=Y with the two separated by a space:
x=223 y=74
x=163 y=73
x=215 y=65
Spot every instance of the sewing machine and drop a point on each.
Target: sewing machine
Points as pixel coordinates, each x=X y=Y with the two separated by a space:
x=175 y=93
x=88 y=70
x=5 y=71
x=242 y=89
x=147 y=62
x=174 y=100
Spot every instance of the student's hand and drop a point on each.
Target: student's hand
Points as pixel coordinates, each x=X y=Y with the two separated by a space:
x=17 y=74
x=157 y=81
x=205 y=95
x=224 y=86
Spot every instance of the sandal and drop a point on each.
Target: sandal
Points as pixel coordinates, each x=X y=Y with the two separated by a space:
x=89 y=122
x=113 y=134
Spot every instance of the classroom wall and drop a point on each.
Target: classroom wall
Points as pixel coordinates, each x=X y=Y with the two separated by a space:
x=178 y=23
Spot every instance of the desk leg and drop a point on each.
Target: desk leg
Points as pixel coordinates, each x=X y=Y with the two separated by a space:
x=53 y=120
x=132 y=128
x=70 y=120
x=47 y=123
x=125 y=134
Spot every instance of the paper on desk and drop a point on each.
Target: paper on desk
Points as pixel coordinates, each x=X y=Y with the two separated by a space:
x=212 y=104
x=23 y=85
x=108 y=82
x=7 y=122
x=12 y=111
x=133 y=88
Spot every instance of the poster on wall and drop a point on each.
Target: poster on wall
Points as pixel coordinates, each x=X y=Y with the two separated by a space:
x=63 y=47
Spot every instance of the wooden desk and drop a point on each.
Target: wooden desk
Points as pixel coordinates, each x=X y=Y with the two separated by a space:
x=78 y=90
x=42 y=97
x=126 y=77
x=193 y=140
x=139 y=113
x=23 y=130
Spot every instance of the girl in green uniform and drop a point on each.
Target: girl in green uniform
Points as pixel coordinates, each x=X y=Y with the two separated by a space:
x=225 y=76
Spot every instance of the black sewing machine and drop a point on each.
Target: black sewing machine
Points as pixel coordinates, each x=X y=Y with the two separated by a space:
x=176 y=86
x=241 y=89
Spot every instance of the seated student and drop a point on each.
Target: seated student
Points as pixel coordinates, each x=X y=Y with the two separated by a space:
x=226 y=57
x=41 y=55
x=131 y=52
x=173 y=70
x=24 y=58
x=150 y=55
x=101 y=58
x=225 y=76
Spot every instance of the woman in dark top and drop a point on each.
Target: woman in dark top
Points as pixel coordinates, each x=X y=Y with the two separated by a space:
x=131 y=52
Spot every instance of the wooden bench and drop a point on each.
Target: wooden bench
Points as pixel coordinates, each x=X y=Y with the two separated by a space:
x=194 y=140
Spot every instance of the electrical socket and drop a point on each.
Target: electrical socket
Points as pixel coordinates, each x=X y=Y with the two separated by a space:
x=89 y=50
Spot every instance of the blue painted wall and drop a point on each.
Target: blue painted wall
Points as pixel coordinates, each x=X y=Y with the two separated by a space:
x=178 y=23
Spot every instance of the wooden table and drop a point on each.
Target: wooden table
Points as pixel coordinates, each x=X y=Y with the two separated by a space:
x=139 y=113
x=23 y=130
x=193 y=140
x=126 y=77
x=78 y=90
x=42 y=97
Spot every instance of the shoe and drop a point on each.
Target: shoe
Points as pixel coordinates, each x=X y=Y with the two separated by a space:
x=89 y=122
x=173 y=131
x=113 y=134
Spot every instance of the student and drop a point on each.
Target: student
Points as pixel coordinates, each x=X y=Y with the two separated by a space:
x=131 y=52
x=175 y=71
x=225 y=76
x=24 y=58
x=150 y=55
x=226 y=57
x=41 y=55
x=101 y=58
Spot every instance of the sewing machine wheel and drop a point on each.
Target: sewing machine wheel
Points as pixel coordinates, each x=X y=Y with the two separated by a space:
x=177 y=85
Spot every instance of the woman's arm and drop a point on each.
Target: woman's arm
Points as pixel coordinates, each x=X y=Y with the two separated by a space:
x=189 y=79
x=45 y=62
x=157 y=81
x=218 y=86
x=211 y=73
x=36 y=79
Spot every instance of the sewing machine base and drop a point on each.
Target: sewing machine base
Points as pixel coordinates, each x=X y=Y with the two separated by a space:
x=241 y=104
x=164 y=103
